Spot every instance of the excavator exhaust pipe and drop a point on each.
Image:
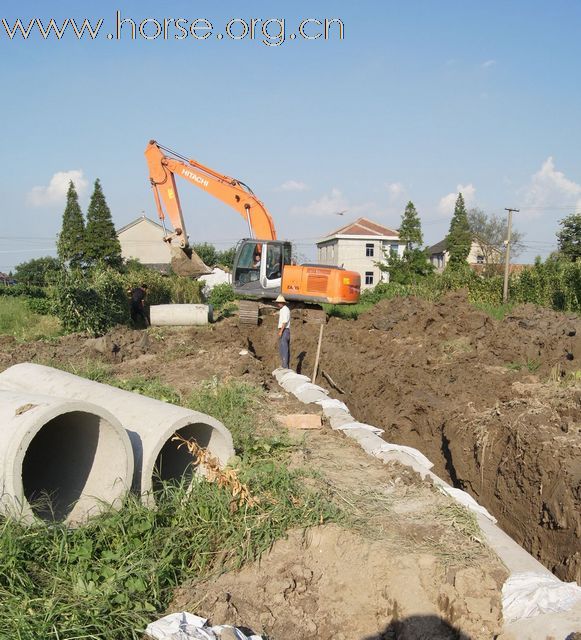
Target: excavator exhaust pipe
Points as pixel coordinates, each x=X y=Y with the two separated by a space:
x=186 y=262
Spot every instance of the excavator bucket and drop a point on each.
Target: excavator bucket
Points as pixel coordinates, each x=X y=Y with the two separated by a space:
x=186 y=262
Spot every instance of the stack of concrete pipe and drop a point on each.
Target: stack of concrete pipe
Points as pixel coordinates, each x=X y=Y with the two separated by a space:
x=71 y=447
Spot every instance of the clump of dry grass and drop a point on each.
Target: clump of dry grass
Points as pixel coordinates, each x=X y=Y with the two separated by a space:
x=224 y=478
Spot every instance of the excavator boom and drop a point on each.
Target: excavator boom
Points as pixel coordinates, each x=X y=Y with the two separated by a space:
x=165 y=164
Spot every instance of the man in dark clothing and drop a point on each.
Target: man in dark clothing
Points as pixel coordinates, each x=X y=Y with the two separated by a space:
x=138 y=304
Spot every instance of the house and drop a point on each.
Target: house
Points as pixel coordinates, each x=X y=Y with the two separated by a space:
x=359 y=246
x=480 y=255
x=6 y=280
x=142 y=239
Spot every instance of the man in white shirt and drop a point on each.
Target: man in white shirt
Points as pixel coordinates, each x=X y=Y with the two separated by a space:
x=283 y=331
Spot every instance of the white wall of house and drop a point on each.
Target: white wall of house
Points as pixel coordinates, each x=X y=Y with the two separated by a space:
x=360 y=254
x=476 y=256
x=144 y=241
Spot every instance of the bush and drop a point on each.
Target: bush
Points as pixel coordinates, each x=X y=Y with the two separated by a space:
x=38 y=272
x=556 y=283
x=221 y=294
x=91 y=303
x=24 y=290
x=185 y=290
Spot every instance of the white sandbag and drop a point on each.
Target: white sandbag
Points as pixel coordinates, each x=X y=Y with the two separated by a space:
x=418 y=456
x=332 y=403
x=467 y=500
x=186 y=626
x=309 y=386
x=359 y=425
x=529 y=594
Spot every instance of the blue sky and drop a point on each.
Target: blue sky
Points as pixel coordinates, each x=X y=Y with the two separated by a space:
x=419 y=100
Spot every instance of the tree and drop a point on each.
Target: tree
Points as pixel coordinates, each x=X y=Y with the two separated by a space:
x=101 y=241
x=207 y=253
x=410 y=230
x=490 y=232
x=38 y=272
x=71 y=240
x=226 y=258
x=569 y=237
x=212 y=257
x=459 y=238
x=414 y=263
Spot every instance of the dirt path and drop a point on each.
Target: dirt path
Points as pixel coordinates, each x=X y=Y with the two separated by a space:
x=405 y=558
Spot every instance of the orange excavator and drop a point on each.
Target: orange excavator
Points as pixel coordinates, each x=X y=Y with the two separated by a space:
x=263 y=266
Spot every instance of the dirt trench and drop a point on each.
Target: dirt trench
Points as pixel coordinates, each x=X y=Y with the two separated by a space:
x=496 y=405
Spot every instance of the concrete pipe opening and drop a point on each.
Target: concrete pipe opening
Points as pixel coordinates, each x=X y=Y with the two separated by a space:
x=175 y=463
x=60 y=460
x=63 y=469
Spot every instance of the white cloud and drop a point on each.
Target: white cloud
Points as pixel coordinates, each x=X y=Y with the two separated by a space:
x=325 y=205
x=334 y=203
x=396 y=191
x=293 y=185
x=447 y=203
x=488 y=64
x=549 y=188
x=57 y=188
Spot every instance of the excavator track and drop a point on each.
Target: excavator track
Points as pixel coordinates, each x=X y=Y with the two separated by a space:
x=249 y=311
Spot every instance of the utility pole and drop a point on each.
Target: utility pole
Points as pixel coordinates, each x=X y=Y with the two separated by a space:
x=507 y=255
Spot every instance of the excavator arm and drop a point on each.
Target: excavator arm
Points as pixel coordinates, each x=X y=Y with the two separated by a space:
x=165 y=164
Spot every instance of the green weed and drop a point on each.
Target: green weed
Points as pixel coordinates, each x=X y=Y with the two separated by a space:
x=107 y=580
x=18 y=320
x=496 y=311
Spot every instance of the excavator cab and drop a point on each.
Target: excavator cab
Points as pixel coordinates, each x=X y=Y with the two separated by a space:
x=258 y=267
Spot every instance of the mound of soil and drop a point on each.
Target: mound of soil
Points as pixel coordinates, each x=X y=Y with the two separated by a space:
x=331 y=584
x=495 y=405
x=401 y=568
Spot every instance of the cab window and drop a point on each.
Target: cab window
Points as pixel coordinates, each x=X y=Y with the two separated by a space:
x=274 y=261
x=248 y=267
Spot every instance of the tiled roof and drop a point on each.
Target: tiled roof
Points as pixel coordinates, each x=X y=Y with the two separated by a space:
x=440 y=247
x=364 y=227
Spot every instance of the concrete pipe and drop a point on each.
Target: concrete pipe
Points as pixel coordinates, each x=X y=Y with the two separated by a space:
x=150 y=423
x=180 y=315
x=60 y=460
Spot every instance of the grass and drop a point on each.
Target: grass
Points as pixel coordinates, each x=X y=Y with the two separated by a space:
x=498 y=311
x=532 y=365
x=107 y=580
x=17 y=319
x=347 y=311
x=461 y=519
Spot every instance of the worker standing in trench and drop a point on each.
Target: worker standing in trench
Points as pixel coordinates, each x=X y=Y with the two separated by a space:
x=283 y=331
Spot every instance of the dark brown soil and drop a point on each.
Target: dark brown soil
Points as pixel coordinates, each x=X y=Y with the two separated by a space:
x=496 y=405
x=401 y=565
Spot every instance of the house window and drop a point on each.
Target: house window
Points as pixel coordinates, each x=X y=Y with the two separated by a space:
x=479 y=259
x=369 y=249
x=369 y=277
x=394 y=249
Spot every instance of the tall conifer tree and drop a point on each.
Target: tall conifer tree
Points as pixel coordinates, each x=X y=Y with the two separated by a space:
x=71 y=239
x=101 y=241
